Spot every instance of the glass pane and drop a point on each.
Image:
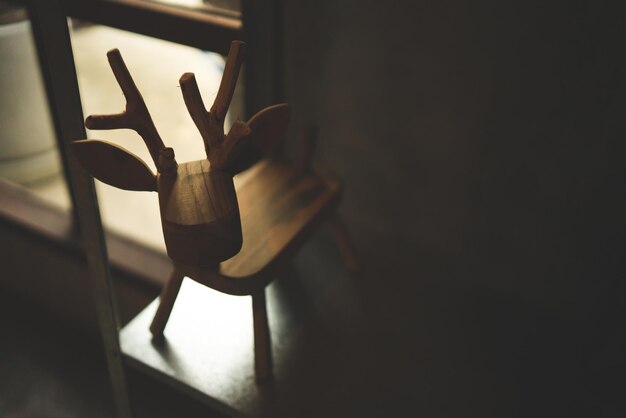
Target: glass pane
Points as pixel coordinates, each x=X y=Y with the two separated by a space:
x=28 y=151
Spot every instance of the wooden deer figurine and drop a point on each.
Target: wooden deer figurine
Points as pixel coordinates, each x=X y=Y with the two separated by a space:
x=197 y=199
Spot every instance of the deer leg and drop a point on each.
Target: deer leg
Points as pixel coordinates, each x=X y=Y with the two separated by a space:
x=262 y=340
x=343 y=242
x=168 y=297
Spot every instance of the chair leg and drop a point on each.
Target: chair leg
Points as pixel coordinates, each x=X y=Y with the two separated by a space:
x=262 y=339
x=168 y=297
x=343 y=242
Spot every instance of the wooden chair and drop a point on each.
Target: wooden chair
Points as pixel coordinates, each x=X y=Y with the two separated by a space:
x=280 y=209
x=232 y=241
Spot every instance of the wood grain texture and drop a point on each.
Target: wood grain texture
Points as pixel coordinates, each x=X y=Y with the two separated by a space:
x=198 y=195
x=114 y=165
x=279 y=211
x=200 y=215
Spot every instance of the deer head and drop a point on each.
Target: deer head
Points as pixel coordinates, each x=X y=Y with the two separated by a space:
x=197 y=200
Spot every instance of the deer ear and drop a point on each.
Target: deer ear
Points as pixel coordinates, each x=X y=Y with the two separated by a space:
x=114 y=165
x=268 y=127
x=264 y=131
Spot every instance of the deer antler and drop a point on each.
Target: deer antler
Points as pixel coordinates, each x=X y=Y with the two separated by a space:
x=211 y=124
x=135 y=117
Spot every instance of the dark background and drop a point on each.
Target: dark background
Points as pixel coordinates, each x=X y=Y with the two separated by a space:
x=481 y=143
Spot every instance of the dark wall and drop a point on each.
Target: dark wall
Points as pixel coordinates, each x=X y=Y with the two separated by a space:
x=481 y=143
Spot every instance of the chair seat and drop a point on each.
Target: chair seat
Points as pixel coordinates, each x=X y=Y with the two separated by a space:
x=280 y=209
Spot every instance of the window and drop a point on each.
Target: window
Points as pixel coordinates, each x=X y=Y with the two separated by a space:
x=189 y=31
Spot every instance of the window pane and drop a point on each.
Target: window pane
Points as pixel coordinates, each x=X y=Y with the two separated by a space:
x=28 y=151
